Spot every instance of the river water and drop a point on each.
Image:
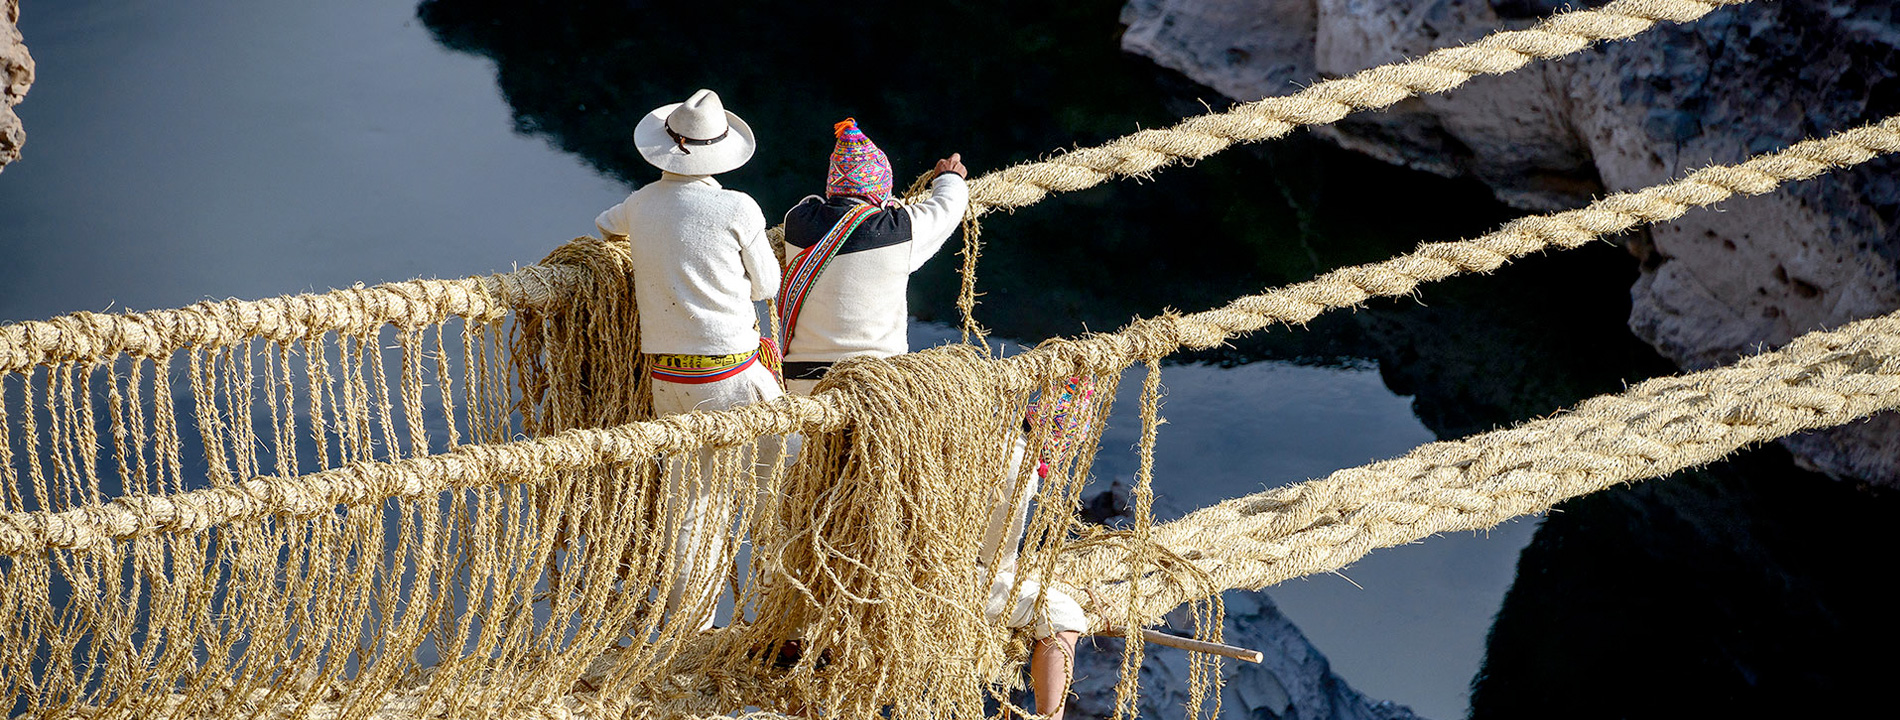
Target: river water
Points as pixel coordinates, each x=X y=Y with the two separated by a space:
x=220 y=148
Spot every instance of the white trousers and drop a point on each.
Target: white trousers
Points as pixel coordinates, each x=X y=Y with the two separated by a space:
x=1002 y=540
x=1059 y=612
x=702 y=507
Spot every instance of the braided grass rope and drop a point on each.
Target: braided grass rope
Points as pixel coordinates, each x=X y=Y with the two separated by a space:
x=87 y=336
x=462 y=468
x=1198 y=137
x=1298 y=303
x=1106 y=353
x=1819 y=380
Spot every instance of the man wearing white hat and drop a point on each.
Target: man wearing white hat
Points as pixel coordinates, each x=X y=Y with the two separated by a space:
x=700 y=259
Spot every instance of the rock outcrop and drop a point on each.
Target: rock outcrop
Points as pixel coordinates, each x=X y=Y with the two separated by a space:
x=16 y=75
x=1294 y=681
x=1743 y=80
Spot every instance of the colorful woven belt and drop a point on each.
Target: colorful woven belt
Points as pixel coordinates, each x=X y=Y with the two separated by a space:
x=700 y=369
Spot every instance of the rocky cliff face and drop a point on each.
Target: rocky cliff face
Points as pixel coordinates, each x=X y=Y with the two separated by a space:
x=1743 y=80
x=16 y=75
x=1293 y=682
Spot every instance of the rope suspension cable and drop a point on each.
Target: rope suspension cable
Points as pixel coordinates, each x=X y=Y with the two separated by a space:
x=1345 y=287
x=1153 y=337
x=1441 y=70
x=87 y=335
x=1819 y=380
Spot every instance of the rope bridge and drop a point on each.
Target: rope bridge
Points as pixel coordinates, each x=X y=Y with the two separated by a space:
x=451 y=497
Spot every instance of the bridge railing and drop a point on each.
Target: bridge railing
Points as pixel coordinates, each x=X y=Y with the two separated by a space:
x=450 y=496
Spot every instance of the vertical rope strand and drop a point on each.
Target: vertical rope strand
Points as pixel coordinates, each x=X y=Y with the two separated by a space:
x=11 y=500
x=1127 y=692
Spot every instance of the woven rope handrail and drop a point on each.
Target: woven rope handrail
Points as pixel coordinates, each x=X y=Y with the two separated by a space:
x=1150 y=338
x=412 y=303
x=1300 y=302
x=1819 y=380
x=81 y=336
x=129 y=517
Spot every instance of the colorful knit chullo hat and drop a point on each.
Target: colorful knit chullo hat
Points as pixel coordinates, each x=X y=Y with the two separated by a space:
x=1070 y=409
x=858 y=168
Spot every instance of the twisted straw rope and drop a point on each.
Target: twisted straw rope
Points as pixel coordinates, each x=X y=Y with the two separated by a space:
x=466 y=466
x=409 y=304
x=1819 y=380
x=1301 y=302
x=1145 y=339
x=1439 y=71
x=1660 y=426
x=81 y=336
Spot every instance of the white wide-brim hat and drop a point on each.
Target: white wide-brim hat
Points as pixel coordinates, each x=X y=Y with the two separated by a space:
x=696 y=137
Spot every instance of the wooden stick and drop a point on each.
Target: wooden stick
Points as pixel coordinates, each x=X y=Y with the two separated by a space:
x=1190 y=644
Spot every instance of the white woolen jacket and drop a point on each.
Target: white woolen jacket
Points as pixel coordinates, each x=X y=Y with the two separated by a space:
x=700 y=258
x=857 y=306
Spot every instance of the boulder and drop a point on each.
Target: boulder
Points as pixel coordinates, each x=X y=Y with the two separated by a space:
x=16 y=75
x=1293 y=681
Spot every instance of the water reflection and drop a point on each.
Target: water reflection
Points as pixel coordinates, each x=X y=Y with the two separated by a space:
x=1745 y=589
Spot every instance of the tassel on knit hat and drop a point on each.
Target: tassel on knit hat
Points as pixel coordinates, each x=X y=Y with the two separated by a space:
x=858 y=168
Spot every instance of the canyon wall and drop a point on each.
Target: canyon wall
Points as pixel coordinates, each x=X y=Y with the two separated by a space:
x=16 y=75
x=1715 y=285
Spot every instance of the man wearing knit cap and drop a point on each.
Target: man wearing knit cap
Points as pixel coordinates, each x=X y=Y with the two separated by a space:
x=1063 y=416
x=849 y=256
x=700 y=259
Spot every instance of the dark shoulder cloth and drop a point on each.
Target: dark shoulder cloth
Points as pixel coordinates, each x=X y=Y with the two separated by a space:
x=808 y=222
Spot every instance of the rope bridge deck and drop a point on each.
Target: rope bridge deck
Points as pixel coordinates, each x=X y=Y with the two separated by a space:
x=451 y=497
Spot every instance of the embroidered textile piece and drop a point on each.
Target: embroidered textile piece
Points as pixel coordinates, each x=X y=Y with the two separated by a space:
x=1069 y=407
x=773 y=357
x=701 y=369
x=807 y=265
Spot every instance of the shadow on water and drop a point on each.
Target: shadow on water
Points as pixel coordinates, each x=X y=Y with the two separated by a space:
x=1745 y=589
x=1717 y=583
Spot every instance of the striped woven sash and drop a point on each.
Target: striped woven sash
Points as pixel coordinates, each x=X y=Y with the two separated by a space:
x=700 y=369
x=805 y=268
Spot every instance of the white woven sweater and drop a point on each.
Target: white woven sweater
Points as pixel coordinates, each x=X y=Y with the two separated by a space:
x=700 y=258
x=858 y=305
